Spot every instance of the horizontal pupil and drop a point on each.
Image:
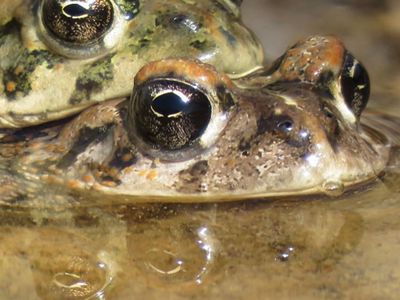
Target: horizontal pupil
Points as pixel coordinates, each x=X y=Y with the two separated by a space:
x=168 y=104
x=75 y=10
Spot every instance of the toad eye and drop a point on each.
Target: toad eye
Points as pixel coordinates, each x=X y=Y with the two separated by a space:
x=79 y=28
x=355 y=86
x=169 y=115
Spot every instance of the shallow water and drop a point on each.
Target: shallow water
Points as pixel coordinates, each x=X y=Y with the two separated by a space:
x=297 y=248
x=319 y=248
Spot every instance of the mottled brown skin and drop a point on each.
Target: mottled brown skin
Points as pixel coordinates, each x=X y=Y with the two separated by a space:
x=273 y=138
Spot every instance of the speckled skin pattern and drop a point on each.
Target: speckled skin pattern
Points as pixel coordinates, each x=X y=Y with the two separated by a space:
x=278 y=136
x=39 y=82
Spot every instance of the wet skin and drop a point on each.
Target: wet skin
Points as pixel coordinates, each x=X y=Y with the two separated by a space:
x=58 y=57
x=189 y=133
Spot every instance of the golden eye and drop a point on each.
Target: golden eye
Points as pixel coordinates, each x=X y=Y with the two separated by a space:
x=170 y=115
x=77 y=21
x=81 y=28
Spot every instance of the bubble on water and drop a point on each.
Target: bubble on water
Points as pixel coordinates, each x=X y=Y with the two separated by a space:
x=87 y=283
x=285 y=254
x=206 y=242
x=185 y=260
x=333 y=188
x=164 y=262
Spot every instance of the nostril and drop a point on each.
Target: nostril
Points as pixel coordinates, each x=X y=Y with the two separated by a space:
x=285 y=126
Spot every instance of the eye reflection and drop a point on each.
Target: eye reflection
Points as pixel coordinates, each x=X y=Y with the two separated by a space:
x=183 y=255
x=168 y=115
x=80 y=28
x=169 y=104
x=77 y=21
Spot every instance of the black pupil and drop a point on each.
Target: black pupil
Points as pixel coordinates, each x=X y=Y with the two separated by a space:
x=75 y=10
x=169 y=103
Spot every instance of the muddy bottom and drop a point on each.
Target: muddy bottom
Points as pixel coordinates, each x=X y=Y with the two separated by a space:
x=298 y=248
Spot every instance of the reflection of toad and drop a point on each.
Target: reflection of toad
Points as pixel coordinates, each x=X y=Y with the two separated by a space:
x=253 y=241
x=208 y=249
x=55 y=264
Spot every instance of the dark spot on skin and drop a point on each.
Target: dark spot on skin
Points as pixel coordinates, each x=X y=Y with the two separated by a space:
x=143 y=43
x=244 y=147
x=18 y=198
x=199 y=45
x=50 y=129
x=327 y=112
x=325 y=78
x=200 y=168
x=92 y=79
x=23 y=135
x=225 y=97
x=105 y=174
x=17 y=78
x=188 y=25
x=283 y=127
x=263 y=125
x=325 y=93
x=192 y=176
x=106 y=177
x=331 y=126
x=300 y=140
x=229 y=36
x=85 y=137
x=8 y=28
x=123 y=157
x=179 y=21
x=130 y=8
x=140 y=39
x=279 y=124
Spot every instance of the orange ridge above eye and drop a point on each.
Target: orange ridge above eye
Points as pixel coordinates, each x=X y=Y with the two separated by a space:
x=189 y=69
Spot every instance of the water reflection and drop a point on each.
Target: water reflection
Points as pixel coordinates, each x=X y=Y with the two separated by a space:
x=178 y=265
x=209 y=251
x=54 y=264
x=179 y=251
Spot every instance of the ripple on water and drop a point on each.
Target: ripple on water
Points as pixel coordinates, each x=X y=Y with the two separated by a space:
x=175 y=256
x=68 y=266
x=84 y=283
